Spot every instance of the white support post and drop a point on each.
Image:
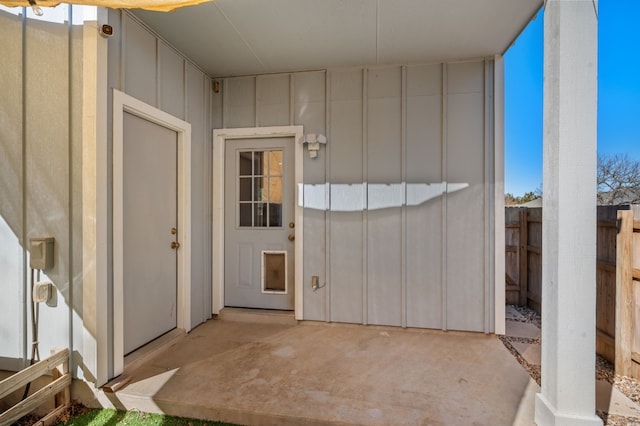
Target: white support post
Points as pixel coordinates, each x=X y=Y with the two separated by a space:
x=569 y=214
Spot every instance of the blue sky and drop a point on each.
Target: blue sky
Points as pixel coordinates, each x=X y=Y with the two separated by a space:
x=618 y=93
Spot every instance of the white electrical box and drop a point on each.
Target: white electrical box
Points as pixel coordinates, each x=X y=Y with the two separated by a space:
x=42 y=291
x=41 y=250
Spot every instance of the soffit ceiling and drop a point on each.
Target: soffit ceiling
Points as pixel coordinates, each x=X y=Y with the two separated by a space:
x=242 y=37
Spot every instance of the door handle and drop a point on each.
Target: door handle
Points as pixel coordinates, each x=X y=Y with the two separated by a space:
x=291 y=237
x=175 y=245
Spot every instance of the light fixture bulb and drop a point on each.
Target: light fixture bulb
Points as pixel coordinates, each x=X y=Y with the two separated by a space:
x=36 y=9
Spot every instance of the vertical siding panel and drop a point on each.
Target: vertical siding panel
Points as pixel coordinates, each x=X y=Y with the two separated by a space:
x=445 y=199
x=171 y=81
x=273 y=100
x=140 y=62
x=195 y=107
x=384 y=176
x=12 y=255
x=346 y=167
x=489 y=202
x=327 y=232
x=365 y=214
x=465 y=210
x=207 y=214
x=308 y=109
x=47 y=165
x=403 y=232
x=240 y=102
x=424 y=166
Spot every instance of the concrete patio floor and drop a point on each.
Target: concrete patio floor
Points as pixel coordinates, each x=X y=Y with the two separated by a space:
x=261 y=373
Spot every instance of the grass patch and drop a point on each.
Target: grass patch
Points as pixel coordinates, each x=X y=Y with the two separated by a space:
x=109 y=417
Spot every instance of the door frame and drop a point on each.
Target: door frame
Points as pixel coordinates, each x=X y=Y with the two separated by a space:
x=220 y=137
x=124 y=103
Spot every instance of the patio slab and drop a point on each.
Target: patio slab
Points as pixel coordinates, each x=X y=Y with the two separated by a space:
x=521 y=329
x=338 y=374
x=531 y=352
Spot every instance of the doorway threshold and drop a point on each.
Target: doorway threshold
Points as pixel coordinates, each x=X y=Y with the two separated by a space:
x=151 y=349
x=262 y=316
x=141 y=356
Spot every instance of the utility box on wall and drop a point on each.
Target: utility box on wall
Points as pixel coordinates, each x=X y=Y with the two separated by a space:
x=41 y=250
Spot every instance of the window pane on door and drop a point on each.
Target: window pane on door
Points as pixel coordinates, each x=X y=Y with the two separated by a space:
x=245 y=189
x=260 y=188
x=246 y=214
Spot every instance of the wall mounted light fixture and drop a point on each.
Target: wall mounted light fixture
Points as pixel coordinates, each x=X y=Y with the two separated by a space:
x=313 y=142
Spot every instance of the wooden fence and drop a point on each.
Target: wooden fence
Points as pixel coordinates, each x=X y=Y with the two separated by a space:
x=523 y=262
x=523 y=265
x=57 y=364
x=627 y=333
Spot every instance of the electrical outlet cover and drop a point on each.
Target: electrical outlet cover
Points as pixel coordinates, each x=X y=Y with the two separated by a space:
x=42 y=291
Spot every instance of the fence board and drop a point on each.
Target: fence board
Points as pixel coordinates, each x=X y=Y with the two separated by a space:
x=624 y=364
x=29 y=374
x=523 y=258
x=607 y=232
x=34 y=401
x=512 y=272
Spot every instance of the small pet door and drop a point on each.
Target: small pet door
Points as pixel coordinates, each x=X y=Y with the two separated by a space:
x=274 y=271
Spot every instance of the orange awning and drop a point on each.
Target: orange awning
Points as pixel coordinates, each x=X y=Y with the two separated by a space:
x=160 y=5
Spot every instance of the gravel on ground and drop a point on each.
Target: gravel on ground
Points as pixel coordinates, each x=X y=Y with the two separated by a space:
x=604 y=369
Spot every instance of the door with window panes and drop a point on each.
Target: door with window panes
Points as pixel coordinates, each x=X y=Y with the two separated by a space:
x=259 y=223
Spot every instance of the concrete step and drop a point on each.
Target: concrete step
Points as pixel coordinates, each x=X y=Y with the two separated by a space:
x=260 y=316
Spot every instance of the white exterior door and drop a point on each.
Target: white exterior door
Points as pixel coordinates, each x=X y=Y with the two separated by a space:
x=259 y=223
x=150 y=231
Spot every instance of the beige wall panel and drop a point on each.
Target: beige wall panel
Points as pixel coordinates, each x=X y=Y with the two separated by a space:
x=424 y=221
x=11 y=121
x=384 y=125
x=384 y=166
x=346 y=126
x=11 y=168
x=346 y=142
x=309 y=110
x=346 y=245
x=465 y=213
x=346 y=267
x=47 y=162
x=384 y=269
x=77 y=272
x=140 y=61
x=200 y=305
x=273 y=100
x=465 y=77
x=171 y=75
x=240 y=107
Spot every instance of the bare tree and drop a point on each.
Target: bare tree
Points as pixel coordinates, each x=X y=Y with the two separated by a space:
x=618 y=180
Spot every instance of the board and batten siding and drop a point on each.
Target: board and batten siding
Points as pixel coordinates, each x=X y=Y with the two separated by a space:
x=147 y=68
x=41 y=153
x=385 y=253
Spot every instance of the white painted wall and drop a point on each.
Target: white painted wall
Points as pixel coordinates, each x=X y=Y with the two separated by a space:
x=40 y=165
x=389 y=129
x=423 y=265
x=147 y=68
